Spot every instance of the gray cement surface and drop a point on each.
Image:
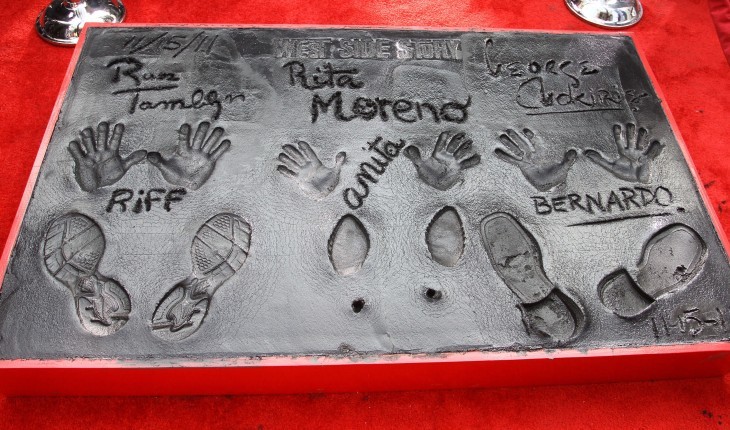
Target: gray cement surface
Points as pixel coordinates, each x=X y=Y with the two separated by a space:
x=222 y=192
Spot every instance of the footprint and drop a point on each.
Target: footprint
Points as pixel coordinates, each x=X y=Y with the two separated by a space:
x=546 y=310
x=619 y=293
x=219 y=249
x=670 y=260
x=348 y=245
x=445 y=237
x=557 y=316
x=73 y=247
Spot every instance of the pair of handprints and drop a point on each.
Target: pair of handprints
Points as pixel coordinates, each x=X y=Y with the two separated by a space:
x=442 y=170
x=635 y=155
x=98 y=162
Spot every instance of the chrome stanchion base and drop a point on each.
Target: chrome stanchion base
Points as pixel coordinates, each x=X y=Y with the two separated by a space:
x=61 y=22
x=607 y=13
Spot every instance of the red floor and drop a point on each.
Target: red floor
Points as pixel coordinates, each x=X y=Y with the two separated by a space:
x=682 y=48
x=695 y=404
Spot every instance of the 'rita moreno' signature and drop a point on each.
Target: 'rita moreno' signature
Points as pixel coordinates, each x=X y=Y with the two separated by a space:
x=132 y=70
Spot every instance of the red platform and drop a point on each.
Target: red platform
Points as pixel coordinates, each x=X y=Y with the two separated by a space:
x=682 y=48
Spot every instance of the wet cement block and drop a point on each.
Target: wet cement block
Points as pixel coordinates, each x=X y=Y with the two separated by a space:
x=225 y=192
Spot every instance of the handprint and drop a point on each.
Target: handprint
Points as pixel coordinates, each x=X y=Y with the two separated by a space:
x=523 y=153
x=450 y=157
x=303 y=166
x=193 y=162
x=97 y=162
x=634 y=157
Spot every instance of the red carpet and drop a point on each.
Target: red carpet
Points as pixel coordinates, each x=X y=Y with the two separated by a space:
x=684 y=51
x=693 y=404
x=720 y=10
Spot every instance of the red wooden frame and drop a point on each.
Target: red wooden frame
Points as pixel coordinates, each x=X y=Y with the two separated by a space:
x=286 y=374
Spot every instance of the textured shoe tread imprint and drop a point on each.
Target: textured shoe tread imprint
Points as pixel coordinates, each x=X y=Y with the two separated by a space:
x=670 y=260
x=219 y=249
x=547 y=311
x=348 y=245
x=224 y=239
x=445 y=237
x=73 y=247
x=182 y=307
x=516 y=257
x=557 y=317
x=53 y=248
x=75 y=242
x=620 y=294
x=103 y=301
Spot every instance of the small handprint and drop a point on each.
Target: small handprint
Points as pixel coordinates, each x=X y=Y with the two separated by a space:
x=523 y=152
x=304 y=166
x=193 y=162
x=97 y=162
x=444 y=168
x=635 y=155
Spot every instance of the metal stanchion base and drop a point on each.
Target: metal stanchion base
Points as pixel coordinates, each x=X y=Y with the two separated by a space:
x=61 y=22
x=607 y=13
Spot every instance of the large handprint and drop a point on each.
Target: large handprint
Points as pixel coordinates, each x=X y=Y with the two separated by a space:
x=97 y=160
x=524 y=153
x=304 y=166
x=635 y=155
x=450 y=157
x=193 y=162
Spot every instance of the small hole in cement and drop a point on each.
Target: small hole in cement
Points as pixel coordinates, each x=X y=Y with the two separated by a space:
x=357 y=305
x=432 y=294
